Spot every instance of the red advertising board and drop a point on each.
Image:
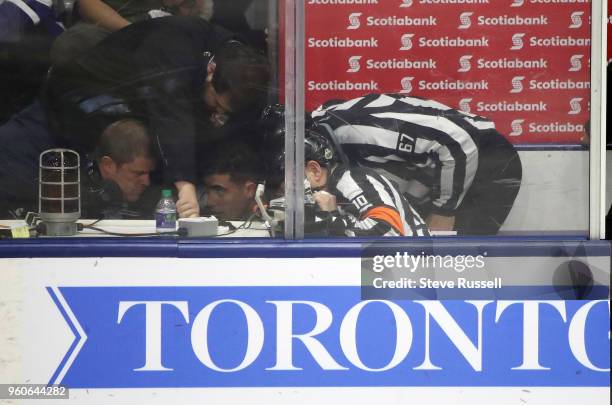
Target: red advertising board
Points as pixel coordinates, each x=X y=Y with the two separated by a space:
x=609 y=30
x=522 y=63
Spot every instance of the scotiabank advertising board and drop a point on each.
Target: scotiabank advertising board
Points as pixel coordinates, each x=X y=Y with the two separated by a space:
x=522 y=63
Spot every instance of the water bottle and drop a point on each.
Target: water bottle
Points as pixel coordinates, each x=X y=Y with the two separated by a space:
x=165 y=213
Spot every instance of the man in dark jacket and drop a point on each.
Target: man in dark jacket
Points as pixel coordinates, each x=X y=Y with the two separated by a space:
x=115 y=182
x=182 y=77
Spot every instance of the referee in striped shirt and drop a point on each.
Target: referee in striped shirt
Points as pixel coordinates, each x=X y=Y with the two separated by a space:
x=454 y=167
x=351 y=201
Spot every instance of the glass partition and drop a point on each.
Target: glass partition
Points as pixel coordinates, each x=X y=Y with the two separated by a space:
x=162 y=101
x=309 y=118
x=452 y=118
x=608 y=141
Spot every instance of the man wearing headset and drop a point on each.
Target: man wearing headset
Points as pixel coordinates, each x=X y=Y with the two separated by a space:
x=115 y=177
x=116 y=182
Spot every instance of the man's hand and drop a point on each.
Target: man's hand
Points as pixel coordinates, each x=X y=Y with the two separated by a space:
x=325 y=200
x=187 y=204
x=440 y=223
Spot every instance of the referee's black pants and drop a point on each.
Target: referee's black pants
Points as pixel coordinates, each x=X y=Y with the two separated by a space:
x=494 y=189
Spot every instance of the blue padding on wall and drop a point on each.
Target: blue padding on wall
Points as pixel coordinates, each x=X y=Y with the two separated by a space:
x=89 y=247
x=263 y=247
x=271 y=248
x=495 y=247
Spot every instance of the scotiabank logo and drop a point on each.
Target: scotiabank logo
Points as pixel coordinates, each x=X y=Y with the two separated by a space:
x=502 y=20
x=400 y=21
x=346 y=42
x=559 y=41
x=517 y=41
x=380 y=64
x=555 y=127
x=465 y=21
x=457 y=85
x=511 y=63
x=517 y=3
x=406 y=84
x=517 y=127
x=456 y=42
x=505 y=20
x=390 y=21
x=557 y=84
x=511 y=106
x=464 y=105
x=337 y=85
x=576 y=63
x=576 y=19
x=354 y=21
x=406 y=3
x=575 y=106
x=354 y=65
x=464 y=63
x=406 y=41
x=517 y=84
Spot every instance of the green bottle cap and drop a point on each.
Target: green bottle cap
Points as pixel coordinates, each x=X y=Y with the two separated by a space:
x=166 y=193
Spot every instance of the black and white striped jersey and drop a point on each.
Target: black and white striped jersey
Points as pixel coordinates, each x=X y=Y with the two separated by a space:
x=372 y=205
x=428 y=148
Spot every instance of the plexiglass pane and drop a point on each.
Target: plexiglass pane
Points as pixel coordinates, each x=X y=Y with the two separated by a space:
x=471 y=118
x=152 y=97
